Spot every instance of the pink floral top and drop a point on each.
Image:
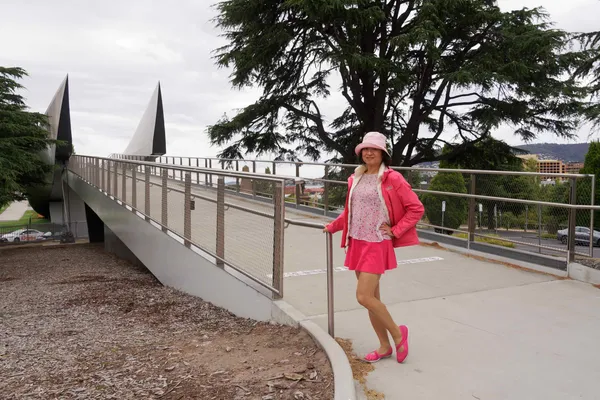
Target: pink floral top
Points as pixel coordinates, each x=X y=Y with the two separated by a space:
x=367 y=212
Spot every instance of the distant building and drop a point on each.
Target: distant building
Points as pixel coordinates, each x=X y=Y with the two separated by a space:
x=573 y=167
x=552 y=166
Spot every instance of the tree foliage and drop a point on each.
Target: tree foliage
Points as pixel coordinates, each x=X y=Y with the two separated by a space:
x=495 y=155
x=590 y=69
x=415 y=70
x=591 y=166
x=456 y=207
x=23 y=135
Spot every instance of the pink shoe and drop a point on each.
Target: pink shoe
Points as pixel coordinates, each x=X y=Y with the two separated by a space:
x=401 y=355
x=374 y=356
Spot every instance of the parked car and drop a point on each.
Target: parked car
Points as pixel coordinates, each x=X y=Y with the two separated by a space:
x=582 y=236
x=24 y=235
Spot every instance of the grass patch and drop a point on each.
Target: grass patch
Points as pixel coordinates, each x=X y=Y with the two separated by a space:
x=24 y=220
x=488 y=240
x=548 y=236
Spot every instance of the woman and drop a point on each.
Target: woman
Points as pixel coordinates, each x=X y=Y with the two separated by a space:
x=381 y=213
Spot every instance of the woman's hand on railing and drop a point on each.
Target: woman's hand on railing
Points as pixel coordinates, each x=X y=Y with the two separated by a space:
x=325 y=230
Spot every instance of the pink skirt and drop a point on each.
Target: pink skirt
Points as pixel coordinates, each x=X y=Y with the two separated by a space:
x=370 y=257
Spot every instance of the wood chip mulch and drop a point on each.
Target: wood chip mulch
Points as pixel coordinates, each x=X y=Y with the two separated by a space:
x=78 y=323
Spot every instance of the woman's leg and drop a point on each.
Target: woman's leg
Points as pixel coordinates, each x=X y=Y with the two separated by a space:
x=378 y=327
x=366 y=290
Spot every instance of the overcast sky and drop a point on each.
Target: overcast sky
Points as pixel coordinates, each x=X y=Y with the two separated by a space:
x=115 y=52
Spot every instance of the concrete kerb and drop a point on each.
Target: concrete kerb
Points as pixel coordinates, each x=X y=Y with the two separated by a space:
x=575 y=271
x=344 y=388
x=499 y=259
x=583 y=273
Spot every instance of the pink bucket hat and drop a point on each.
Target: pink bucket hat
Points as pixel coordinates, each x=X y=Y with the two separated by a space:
x=374 y=140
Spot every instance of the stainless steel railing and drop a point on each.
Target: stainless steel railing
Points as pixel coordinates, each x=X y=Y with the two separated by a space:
x=104 y=173
x=172 y=208
x=329 y=256
x=473 y=196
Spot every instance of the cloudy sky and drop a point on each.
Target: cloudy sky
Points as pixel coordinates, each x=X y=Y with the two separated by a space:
x=115 y=52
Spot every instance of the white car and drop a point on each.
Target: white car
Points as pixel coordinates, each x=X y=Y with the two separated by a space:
x=24 y=235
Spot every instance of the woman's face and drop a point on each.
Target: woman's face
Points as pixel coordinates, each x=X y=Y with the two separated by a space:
x=372 y=157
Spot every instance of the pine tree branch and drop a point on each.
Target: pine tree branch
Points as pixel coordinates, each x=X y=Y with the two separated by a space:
x=318 y=124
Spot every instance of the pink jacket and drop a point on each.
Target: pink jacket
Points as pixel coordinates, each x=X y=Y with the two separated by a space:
x=403 y=207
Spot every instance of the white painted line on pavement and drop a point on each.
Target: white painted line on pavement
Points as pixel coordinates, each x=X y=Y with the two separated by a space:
x=342 y=269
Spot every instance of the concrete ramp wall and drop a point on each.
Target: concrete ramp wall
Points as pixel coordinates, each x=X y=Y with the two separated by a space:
x=171 y=262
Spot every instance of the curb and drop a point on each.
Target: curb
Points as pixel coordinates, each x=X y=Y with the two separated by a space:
x=343 y=380
x=584 y=273
x=530 y=267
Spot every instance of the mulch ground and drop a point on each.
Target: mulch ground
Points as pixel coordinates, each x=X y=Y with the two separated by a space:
x=78 y=323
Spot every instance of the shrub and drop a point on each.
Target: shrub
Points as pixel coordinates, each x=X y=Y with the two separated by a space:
x=456 y=207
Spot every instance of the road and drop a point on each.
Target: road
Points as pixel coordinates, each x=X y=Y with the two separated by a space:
x=531 y=237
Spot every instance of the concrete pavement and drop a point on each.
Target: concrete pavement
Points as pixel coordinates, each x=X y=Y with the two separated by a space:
x=478 y=330
x=531 y=341
x=15 y=211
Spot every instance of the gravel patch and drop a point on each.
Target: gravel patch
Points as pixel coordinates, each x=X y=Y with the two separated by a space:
x=589 y=262
x=78 y=323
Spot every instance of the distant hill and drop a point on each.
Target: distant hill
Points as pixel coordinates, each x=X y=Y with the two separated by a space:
x=552 y=151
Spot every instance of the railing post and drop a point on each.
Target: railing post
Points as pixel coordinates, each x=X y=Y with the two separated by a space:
x=104 y=176
x=472 y=209
x=108 y=184
x=134 y=188
x=298 y=191
x=97 y=166
x=187 y=210
x=592 y=199
x=205 y=175
x=124 y=183
x=572 y=221
x=164 y=203
x=210 y=177
x=197 y=173
x=326 y=192
x=253 y=180
x=116 y=180
x=330 y=298
x=539 y=211
x=220 y=221
x=237 y=180
x=147 y=192
x=278 y=227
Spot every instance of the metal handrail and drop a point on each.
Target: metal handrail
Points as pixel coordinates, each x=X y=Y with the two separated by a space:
x=202 y=170
x=307 y=224
x=86 y=173
x=463 y=171
x=329 y=255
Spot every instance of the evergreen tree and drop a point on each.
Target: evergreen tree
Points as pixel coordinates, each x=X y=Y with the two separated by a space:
x=590 y=69
x=495 y=155
x=591 y=165
x=413 y=69
x=23 y=136
x=456 y=207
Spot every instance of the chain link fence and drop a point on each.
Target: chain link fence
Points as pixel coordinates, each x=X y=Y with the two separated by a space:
x=522 y=210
